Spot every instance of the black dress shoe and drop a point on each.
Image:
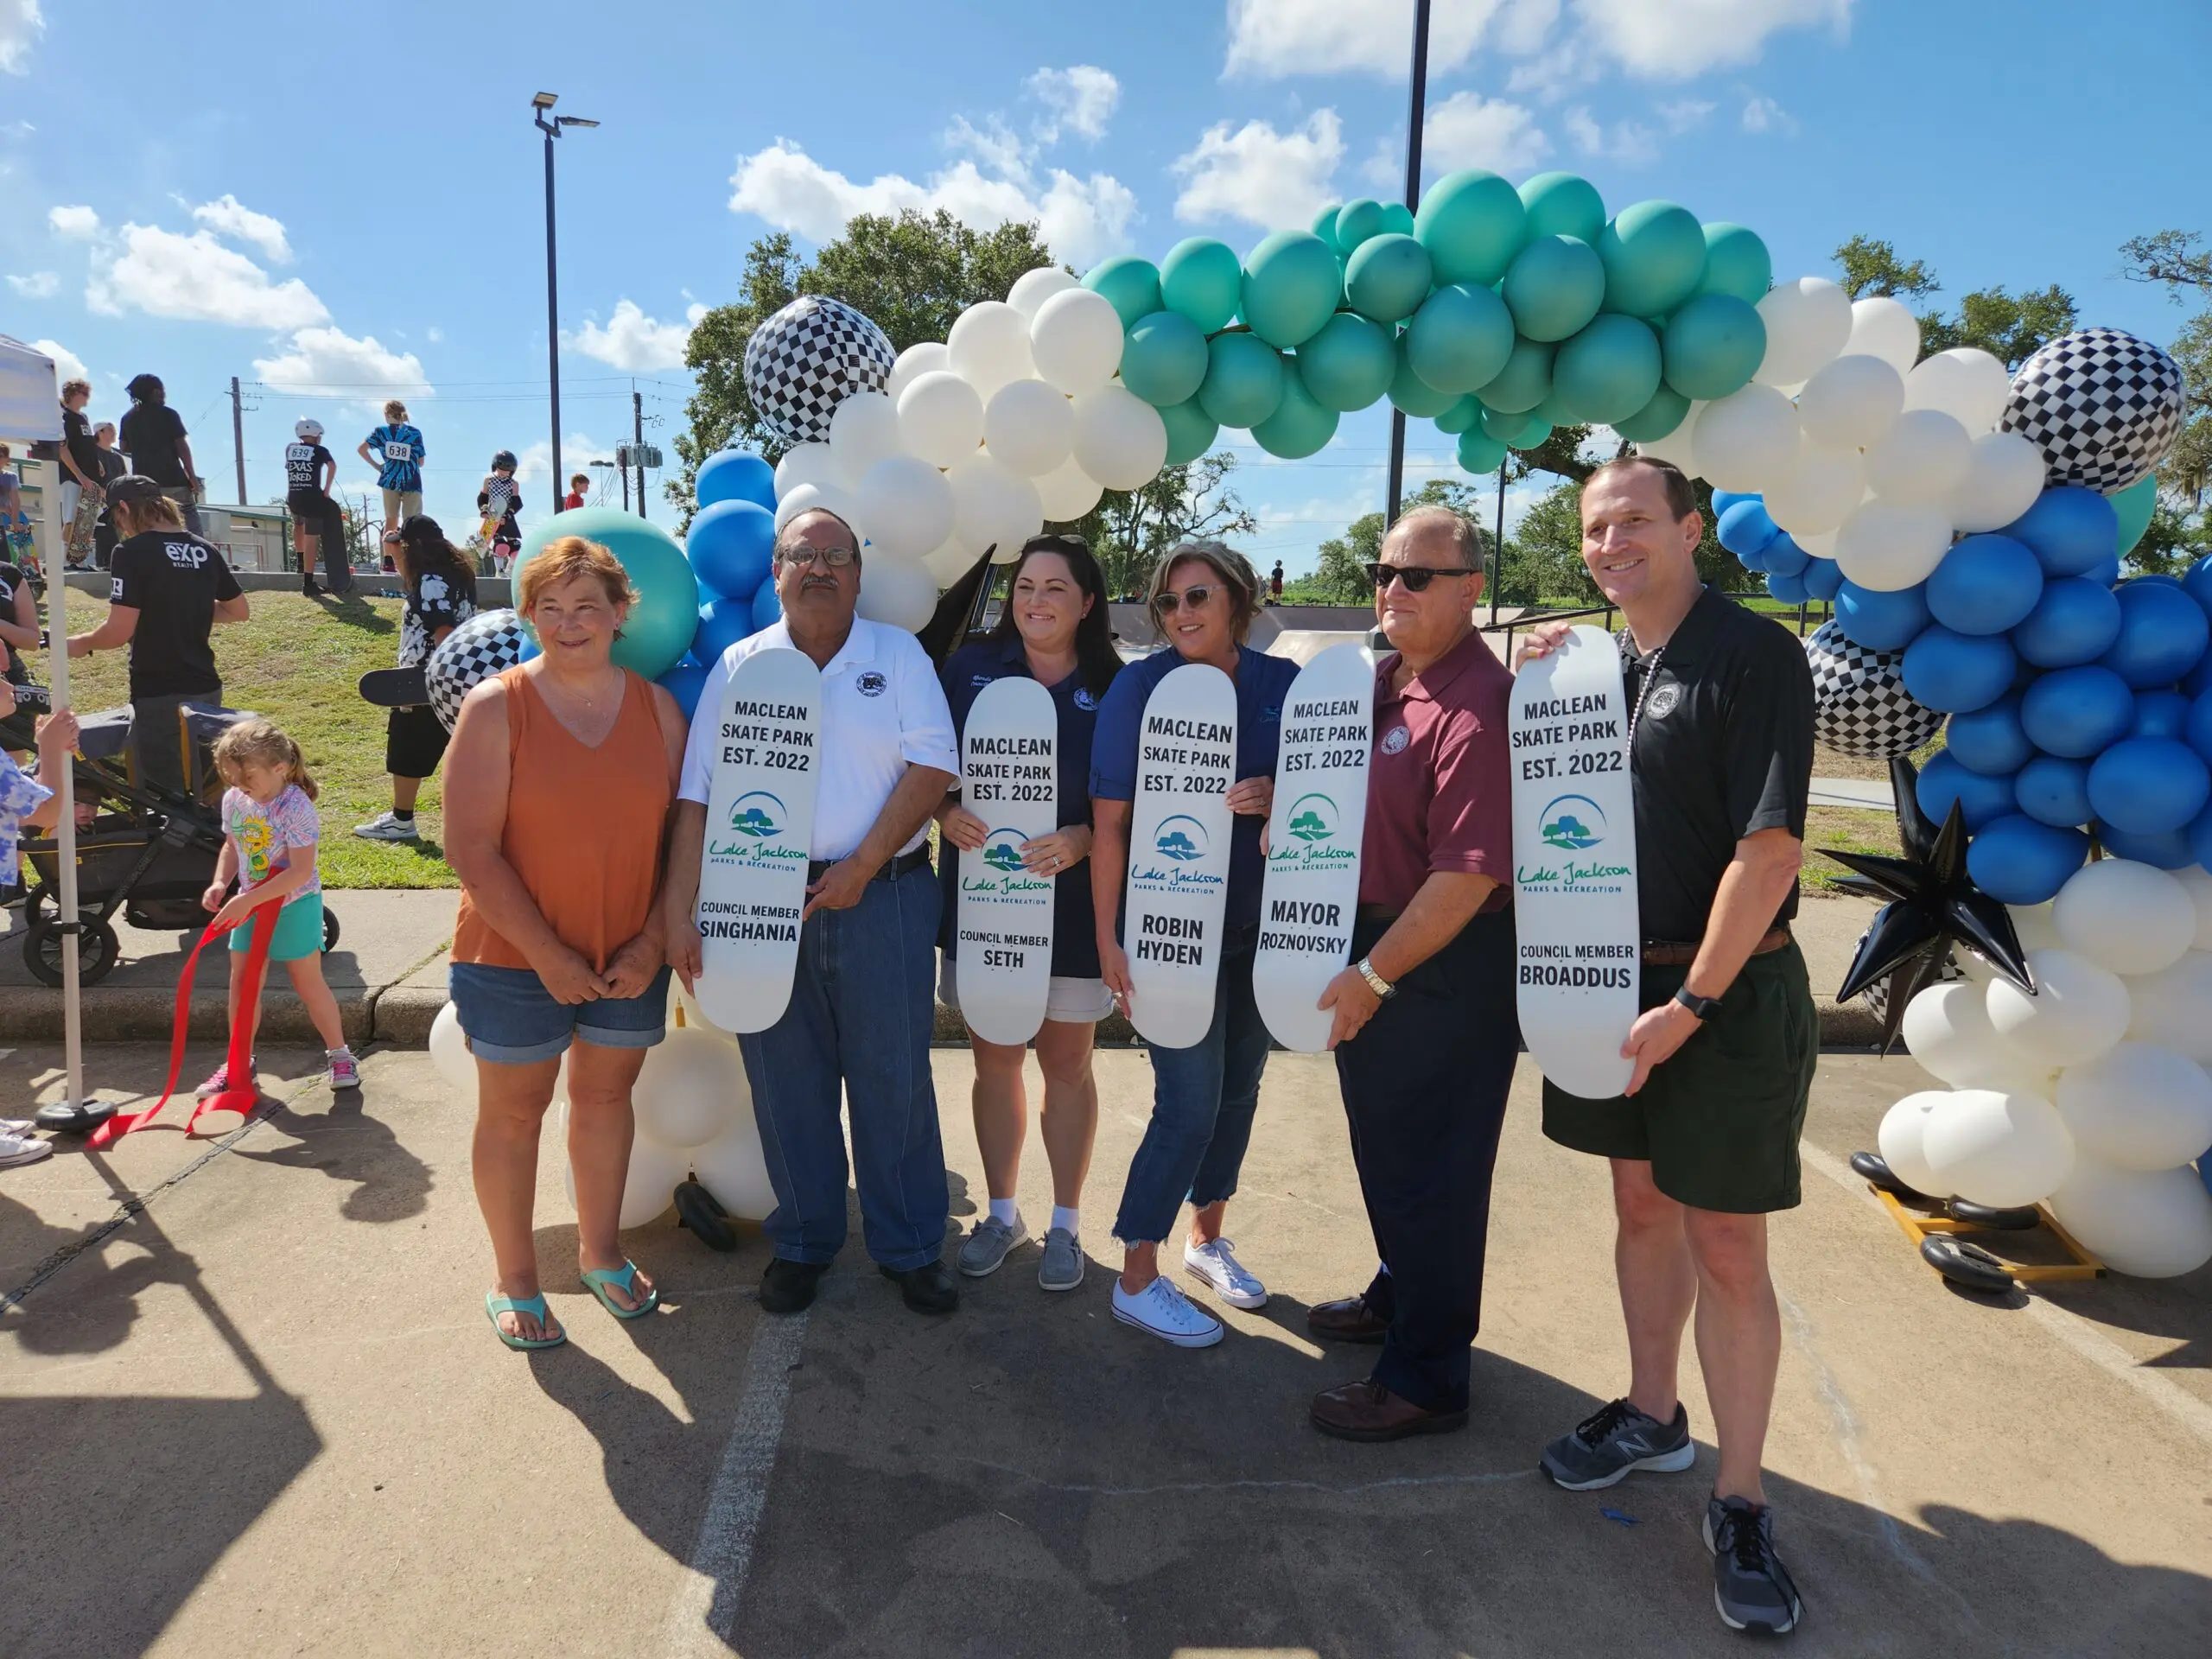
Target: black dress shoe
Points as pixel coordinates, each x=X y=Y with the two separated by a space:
x=928 y=1289
x=788 y=1286
x=1349 y=1319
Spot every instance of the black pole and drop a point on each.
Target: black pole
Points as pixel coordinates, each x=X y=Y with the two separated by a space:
x=637 y=444
x=1497 y=548
x=552 y=308
x=1416 y=112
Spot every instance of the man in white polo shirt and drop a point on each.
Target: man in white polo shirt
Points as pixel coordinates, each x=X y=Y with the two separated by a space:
x=861 y=1003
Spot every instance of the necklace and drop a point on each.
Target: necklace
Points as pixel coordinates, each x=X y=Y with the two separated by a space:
x=1649 y=667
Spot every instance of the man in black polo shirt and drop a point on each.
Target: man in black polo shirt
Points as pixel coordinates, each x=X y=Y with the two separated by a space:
x=1703 y=1143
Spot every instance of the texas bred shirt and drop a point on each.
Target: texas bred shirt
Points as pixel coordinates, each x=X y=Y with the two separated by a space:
x=303 y=465
x=174 y=580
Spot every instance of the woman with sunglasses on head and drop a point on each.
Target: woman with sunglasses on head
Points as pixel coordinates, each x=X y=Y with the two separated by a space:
x=1203 y=596
x=1054 y=630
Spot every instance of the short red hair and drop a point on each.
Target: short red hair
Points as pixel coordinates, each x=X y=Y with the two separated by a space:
x=565 y=556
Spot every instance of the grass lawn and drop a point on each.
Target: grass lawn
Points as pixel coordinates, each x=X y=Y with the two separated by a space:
x=1849 y=829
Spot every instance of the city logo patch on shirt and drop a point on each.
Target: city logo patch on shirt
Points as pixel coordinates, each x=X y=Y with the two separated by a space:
x=1086 y=699
x=1394 y=740
x=1663 y=700
x=872 y=684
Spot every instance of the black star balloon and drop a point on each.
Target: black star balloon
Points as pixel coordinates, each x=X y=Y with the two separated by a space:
x=1935 y=904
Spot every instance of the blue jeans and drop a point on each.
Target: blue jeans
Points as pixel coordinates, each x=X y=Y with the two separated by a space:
x=859 y=1022
x=1203 y=1098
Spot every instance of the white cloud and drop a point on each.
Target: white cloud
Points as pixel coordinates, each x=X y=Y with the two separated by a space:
x=330 y=359
x=998 y=148
x=1081 y=99
x=1273 y=38
x=195 y=278
x=533 y=463
x=1255 y=173
x=19 y=24
x=39 y=285
x=435 y=334
x=636 y=343
x=68 y=366
x=1468 y=129
x=72 y=224
x=1763 y=114
x=1627 y=144
x=1686 y=37
x=1684 y=114
x=231 y=218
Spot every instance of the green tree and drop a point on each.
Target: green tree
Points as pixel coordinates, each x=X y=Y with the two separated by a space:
x=1340 y=578
x=1873 y=269
x=1129 y=530
x=2174 y=541
x=2168 y=257
x=2009 y=327
x=1543 y=558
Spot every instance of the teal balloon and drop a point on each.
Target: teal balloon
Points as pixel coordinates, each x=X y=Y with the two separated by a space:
x=1409 y=392
x=2135 y=505
x=1243 y=383
x=1201 y=279
x=1355 y=222
x=1736 y=262
x=659 y=627
x=1292 y=284
x=1609 y=371
x=1299 y=427
x=1507 y=428
x=1191 y=432
x=1711 y=345
x=1667 y=411
x=1524 y=382
x=1554 y=287
x=1460 y=337
x=1533 y=435
x=1480 y=453
x=1655 y=255
x=1132 y=285
x=1164 y=359
x=1555 y=411
x=1460 y=417
x=1472 y=224
x=1562 y=204
x=1398 y=219
x=1386 y=277
x=1349 y=364
x=1324 y=225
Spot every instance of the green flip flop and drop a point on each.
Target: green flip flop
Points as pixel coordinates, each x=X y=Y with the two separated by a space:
x=535 y=1306
x=625 y=1278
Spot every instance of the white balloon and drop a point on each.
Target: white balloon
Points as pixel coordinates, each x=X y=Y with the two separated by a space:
x=1923 y=457
x=1746 y=440
x=1966 y=383
x=1030 y=426
x=948 y=562
x=2152 y=1226
x=992 y=506
x=1851 y=401
x=1887 y=545
x=899 y=593
x=1948 y=1031
x=1808 y=322
x=1068 y=493
x=2077 y=1012
x=1998 y=1149
x=1033 y=287
x=824 y=497
x=734 y=1169
x=2137 y=1106
x=449 y=1055
x=1120 y=439
x=927 y=357
x=989 y=344
x=1883 y=327
x=1818 y=493
x=682 y=1097
x=2002 y=481
x=2173 y=1007
x=940 y=417
x=809 y=463
x=1900 y=1140
x=2036 y=926
x=1676 y=448
x=1820 y=544
x=683 y=1009
x=864 y=430
x=2196 y=881
x=2127 y=917
x=649 y=1186
x=1076 y=338
x=908 y=506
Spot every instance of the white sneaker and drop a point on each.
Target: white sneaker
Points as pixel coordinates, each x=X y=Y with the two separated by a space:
x=387 y=827
x=21 y=1149
x=1218 y=1267
x=16 y=1126
x=1162 y=1311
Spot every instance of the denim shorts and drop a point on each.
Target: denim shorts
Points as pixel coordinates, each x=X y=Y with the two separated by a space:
x=510 y=1018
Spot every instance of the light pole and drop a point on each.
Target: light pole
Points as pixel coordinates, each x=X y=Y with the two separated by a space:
x=550 y=125
x=1417 y=113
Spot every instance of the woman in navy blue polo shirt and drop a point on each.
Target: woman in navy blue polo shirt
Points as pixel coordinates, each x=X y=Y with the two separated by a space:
x=1054 y=630
x=1204 y=597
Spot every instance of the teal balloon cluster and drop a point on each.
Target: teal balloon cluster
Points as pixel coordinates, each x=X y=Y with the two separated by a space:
x=1498 y=312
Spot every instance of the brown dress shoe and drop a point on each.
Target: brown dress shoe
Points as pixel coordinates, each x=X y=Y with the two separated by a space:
x=1348 y=1320
x=1365 y=1410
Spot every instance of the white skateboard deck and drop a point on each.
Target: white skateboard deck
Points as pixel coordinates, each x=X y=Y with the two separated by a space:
x=760 y=824
x=1314 y=841
x=1177 y=891
x=1574 y=865
x=1009 y=778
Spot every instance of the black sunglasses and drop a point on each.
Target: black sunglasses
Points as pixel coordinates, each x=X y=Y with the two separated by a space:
x=1168 y=603
x=1416 y=576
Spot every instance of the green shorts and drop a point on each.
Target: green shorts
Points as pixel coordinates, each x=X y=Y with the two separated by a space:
x=1718 y=1120
x=299 y=929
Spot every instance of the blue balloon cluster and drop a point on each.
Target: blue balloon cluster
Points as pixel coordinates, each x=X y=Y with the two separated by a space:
x=1793 y=576
x=730 y=543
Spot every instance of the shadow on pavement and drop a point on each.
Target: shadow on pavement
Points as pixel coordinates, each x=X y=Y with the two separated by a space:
x=345 y=1143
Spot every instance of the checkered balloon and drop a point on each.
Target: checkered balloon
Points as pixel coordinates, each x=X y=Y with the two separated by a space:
x=1878 y=994
x=2104 y=408
x=479 y=648
x=1860 y=706
x=809 y=358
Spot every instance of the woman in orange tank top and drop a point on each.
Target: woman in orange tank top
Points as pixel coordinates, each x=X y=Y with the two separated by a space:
x=558 y=787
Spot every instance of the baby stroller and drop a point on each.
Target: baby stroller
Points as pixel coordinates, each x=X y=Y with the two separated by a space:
x=148 y=851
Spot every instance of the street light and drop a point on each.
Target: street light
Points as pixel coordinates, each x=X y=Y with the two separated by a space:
x=550 y=126
x=1416 y=115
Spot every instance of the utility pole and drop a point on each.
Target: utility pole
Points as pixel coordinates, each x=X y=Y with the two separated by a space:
x=550 y=125
x=237 y=435
x=1417 y=111
x=625 y=471
x=637 y=444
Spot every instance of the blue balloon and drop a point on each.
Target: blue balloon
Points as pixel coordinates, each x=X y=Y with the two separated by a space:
x=2197 y=732
x=1754 y=562
x=1985 y=585
x=2197 y=583
x=529 y=647
x=734 y=475
x=722 y=623
x=2170 y=850
x=2161 y=713
x=2054 y=791
x=1823 y=578
x=1724 y=500
x=2200 y=839
x=2070 y=529
x=2104 y=572
x=1784 y=557
x=2162 y=634
x=1958 y=672
x=684 y=681
x=1943 y=780
x=767 y=607
x=2148 y=785
x=1880 y=621
x=1989 y=741
x=730 y=545
x=1745 y=528
x=2020 y=862
x=2077 y=712
x=2074 y=621
x=2198 y=680
x=1790 y=590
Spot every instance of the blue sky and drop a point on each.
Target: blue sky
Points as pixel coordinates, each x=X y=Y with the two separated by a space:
x=330 y=202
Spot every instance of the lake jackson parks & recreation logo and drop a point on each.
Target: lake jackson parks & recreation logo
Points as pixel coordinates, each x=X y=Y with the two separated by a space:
x=1310 y=842
x=1572 y=824
x=756 y=821
x=1001 y=856
x=1180 y=842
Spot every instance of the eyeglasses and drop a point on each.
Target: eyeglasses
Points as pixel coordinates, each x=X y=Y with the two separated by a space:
x=1168 y=603
x=1416 y=576
x=834 y=558
x=1056 y=544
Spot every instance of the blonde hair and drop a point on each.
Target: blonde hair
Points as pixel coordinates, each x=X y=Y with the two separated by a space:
x=68 y=386
x=146 y=512
x=395 y=411
x=565 y=556
x=259 y=743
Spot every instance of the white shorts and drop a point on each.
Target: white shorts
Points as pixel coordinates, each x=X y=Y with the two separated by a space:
x=1071 y=1001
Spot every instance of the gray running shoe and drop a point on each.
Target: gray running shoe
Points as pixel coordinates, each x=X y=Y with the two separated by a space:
x=1062 y=1267
x=1750 y=1586
x=983 y=1250
x=1614 y=1441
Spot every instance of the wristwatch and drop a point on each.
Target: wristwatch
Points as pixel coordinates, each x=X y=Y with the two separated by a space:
x=1381 y=987
x=1703 y=1006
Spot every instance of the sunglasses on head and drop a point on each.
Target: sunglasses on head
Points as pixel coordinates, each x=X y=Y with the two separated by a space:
x=1416 y=576
x=1168 y=603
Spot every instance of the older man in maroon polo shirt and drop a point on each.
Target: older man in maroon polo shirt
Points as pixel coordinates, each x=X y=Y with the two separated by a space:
x=1426 y=1032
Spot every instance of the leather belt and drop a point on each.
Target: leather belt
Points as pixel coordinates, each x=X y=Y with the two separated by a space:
x=1665 y=953
x=1375 y=913
x=891 y=872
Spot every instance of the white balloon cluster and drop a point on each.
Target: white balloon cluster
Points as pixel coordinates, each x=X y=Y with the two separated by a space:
x=2091 y=1094
x=1862 y=453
